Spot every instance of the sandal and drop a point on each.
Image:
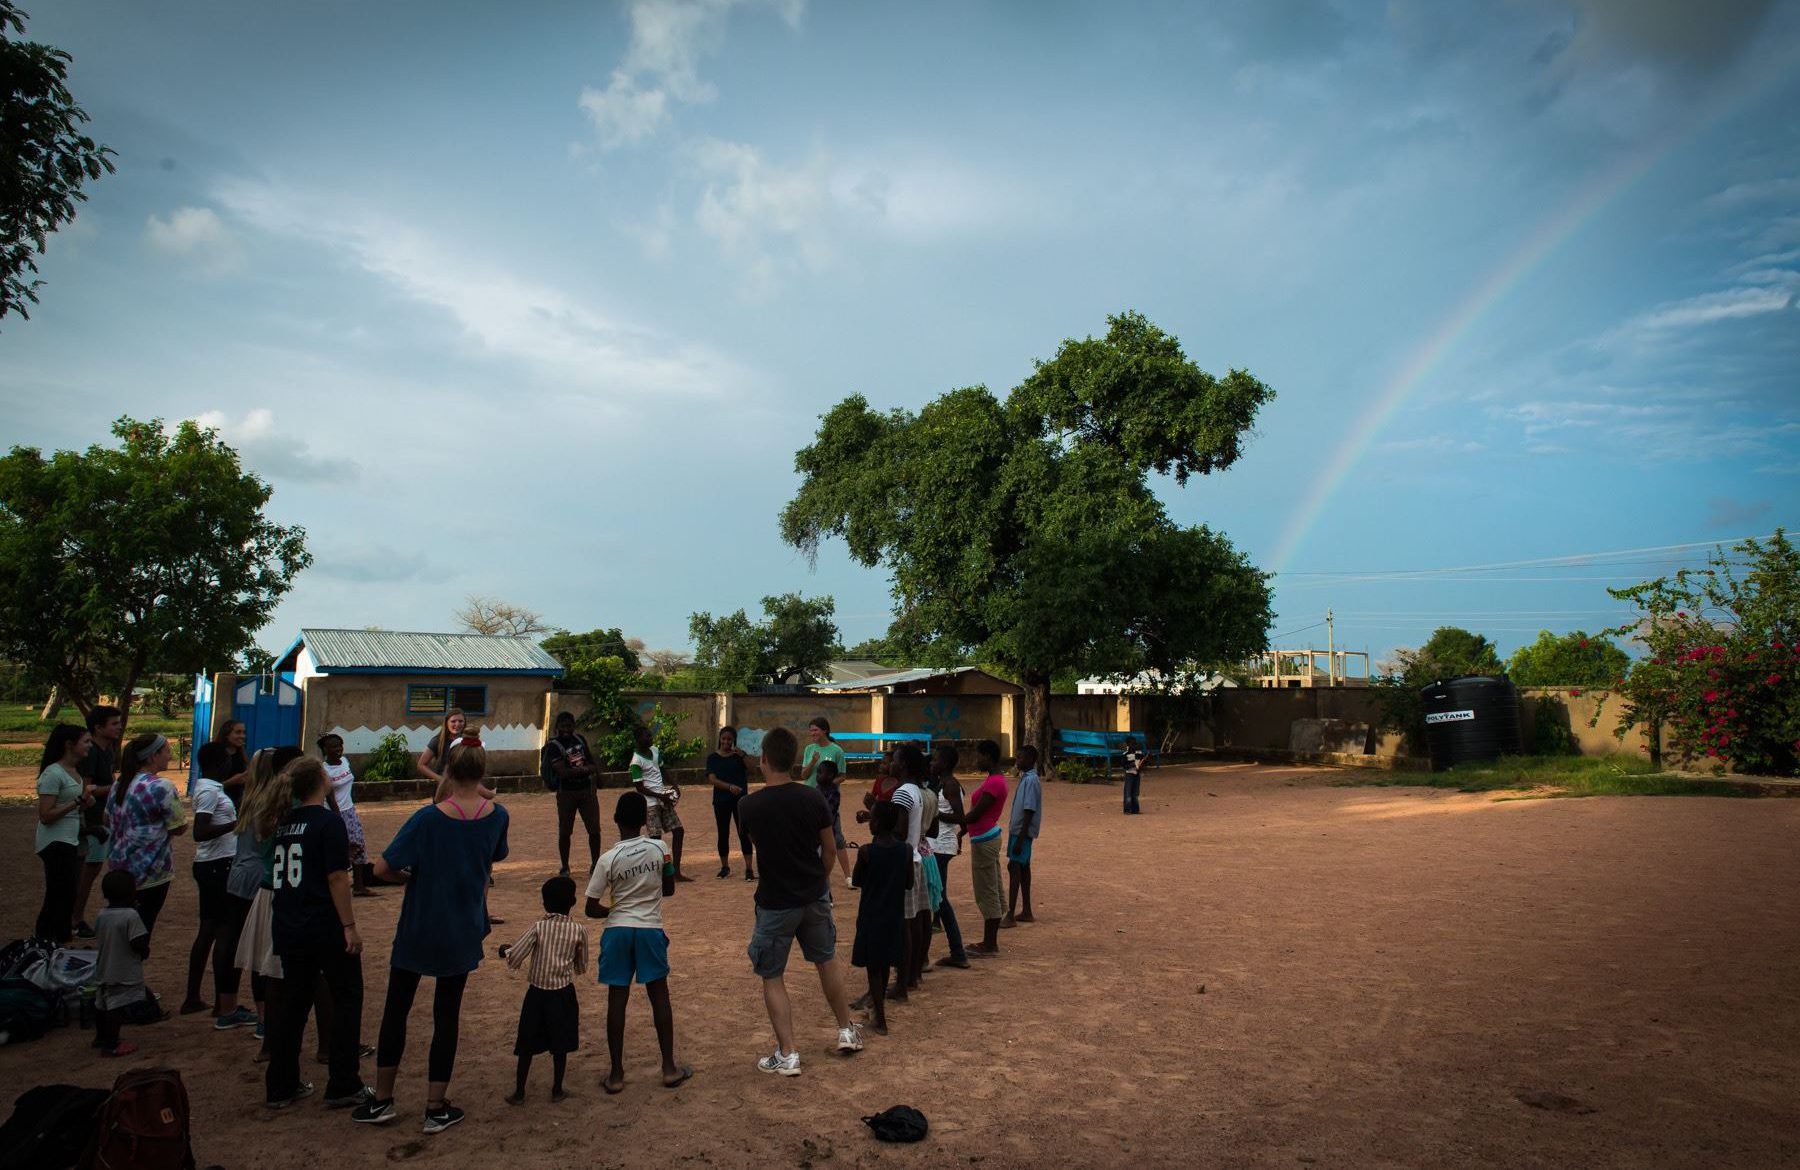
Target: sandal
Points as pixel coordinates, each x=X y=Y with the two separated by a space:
x=683 y=1074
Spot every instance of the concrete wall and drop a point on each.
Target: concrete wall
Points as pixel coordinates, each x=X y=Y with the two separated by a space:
x=1087 y=712
x=365 y=707
x=1591 y=717
x=962 y=718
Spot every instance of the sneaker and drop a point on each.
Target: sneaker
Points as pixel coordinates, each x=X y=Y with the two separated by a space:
x=83 y=930
x=375 y=1112
x=750 y=875
x=259 y=1028
x=782 y=1065
x=194 y=1007
x=235 y=1018
x=304 y=1090
x=442 y=1118
x=364 y=1095
x=850 y=1039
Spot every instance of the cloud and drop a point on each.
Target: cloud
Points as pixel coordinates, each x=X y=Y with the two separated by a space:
x=1741 y=195
x=568 y=343
x=1681 y=34
x=1725 y=512
x=749 y=204
x=262 y=449
x=1707 y=308
x=378 y=564
x=662 y=67
x=196 y=235
x=1430 y=445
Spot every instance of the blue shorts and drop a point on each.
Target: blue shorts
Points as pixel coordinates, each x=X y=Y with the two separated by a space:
x=776 y=931
x=628 y=952
x=1019 y=848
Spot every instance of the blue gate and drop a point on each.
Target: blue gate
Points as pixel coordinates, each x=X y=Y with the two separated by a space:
x=203 y=703
x=271 y=716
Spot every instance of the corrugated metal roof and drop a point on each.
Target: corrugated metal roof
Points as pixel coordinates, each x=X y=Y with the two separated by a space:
x=392 y=650
x=896 y=678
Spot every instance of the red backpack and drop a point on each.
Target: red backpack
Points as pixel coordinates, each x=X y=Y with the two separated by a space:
x=143 y=1125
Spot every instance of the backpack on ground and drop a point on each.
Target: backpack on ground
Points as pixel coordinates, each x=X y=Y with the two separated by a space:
x=902 y=1123
x=27 y=1011
x=21 y=953
x=143 y=1125
x=50 y=1127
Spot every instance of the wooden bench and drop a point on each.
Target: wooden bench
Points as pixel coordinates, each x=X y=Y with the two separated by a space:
x=881 y=742
x=1099 y=745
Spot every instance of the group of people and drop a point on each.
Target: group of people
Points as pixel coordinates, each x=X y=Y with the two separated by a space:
x=281 y=857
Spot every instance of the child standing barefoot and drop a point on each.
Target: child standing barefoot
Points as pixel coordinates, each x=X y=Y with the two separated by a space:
x=550 y=1020
x=638 y=873
x=884 y=873
x=1021 y=836
x=343 y=802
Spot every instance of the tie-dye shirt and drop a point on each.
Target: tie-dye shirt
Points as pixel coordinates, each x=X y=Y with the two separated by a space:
x=140 y=830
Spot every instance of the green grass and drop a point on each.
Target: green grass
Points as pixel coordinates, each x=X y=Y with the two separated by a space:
x=19 y=723
x=1559 y=776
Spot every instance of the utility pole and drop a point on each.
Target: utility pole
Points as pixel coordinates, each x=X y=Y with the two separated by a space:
x=1330 y=651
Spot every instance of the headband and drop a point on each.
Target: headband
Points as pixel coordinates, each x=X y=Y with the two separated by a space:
x=157 y=745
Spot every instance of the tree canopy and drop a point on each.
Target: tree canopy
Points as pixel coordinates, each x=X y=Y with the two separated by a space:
x=1451 y=651
x=153 y=556
x=44 y=157
x=793 y=643
x=1025 y=530
x=481 y=614
x=602 y=642
x=1577 y=659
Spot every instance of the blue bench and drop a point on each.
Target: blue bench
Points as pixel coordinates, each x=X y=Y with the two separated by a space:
x=881 y=742
x=1099 y=745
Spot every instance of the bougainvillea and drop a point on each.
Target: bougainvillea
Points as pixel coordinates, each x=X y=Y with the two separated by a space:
x=1723 y=674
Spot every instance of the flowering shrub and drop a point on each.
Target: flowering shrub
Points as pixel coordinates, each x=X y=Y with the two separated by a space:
x=1723 y=675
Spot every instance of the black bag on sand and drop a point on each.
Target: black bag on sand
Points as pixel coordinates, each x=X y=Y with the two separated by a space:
x=143 y=1125
x=902 y=1123
x=49 y=1127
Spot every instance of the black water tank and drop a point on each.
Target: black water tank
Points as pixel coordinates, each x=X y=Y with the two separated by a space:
x=1474 y=717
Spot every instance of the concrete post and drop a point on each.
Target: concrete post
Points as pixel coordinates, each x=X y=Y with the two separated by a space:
x=877 y=713
x=1009 y=725
x=225 y=684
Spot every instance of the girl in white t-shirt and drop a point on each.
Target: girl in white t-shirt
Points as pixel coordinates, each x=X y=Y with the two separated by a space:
x=215 y=845
x=343 y=801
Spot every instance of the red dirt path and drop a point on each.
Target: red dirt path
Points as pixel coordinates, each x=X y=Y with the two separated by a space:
x=1393 y=977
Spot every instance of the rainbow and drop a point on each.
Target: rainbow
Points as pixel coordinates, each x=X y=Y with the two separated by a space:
x=1544 y=239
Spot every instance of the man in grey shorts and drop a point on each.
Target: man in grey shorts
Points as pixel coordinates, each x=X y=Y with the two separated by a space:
x=790 y=828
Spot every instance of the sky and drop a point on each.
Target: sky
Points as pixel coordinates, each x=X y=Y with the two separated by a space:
x=538 y=301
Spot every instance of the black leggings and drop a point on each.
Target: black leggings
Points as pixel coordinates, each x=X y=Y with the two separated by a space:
x=726 y=816
x=62 y=869
x=446 y=1013
x=150 y=904
x=226 y=975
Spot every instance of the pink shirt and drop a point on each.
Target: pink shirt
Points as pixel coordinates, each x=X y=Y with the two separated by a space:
x=995 y=786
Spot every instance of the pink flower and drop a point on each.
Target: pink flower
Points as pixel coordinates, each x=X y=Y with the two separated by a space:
x=1712 y=696
x=1584 y=642
x=1575 y=692
x=1773 y=679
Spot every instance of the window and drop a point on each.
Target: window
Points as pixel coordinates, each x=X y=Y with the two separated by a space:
x=435 y=700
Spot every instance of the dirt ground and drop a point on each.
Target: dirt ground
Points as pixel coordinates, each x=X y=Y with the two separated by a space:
x=1264 y=970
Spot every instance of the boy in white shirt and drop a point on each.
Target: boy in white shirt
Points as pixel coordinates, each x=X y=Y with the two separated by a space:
x=659 y=792
x=637 y=874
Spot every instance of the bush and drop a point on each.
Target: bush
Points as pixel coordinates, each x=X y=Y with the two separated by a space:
x=391 y=760
x=614 y=720
x=1723 y=677
x=1076 y=770
x=1550 y=731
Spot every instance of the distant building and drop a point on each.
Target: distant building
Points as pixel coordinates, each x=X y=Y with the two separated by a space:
x=955 y=680
x=1309 y=668
x=1150 y=682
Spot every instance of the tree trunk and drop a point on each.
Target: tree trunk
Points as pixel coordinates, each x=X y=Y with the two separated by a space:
x=125 y=695
x=1034 y=727
x=52 y=705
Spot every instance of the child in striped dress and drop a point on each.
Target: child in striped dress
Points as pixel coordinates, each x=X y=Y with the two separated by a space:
x=550 y=1019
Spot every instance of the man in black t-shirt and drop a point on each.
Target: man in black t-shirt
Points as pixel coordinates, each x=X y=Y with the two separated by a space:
x=572 y=763
x=790 y=829
x=315 y=934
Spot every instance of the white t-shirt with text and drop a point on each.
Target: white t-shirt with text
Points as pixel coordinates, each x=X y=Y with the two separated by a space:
x=632 y=871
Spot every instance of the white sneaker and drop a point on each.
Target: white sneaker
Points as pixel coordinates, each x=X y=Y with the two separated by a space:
x=782 y=1065
x=850 y=1039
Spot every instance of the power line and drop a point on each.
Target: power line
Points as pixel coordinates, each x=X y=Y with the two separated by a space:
x=1572 y=560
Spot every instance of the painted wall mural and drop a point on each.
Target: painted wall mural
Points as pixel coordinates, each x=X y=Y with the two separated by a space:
x=505 y=737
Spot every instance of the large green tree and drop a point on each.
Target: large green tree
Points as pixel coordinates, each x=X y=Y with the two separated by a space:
x=44 y=157
x=1577 y=659
x=793 y=642
x=152 y=556
x=566 y=647
x=1025 y=530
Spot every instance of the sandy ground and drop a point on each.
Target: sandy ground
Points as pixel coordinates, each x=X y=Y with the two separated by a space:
x=1264 y=970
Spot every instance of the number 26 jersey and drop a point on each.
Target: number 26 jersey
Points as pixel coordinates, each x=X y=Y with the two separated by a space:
x=310 y=845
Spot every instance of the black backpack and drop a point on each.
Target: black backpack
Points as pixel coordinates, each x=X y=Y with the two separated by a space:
x=545 y=772
x=49 y=1127
x=902 y=1123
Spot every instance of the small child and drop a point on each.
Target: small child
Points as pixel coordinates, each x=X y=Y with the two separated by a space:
x=124 y=943
x=550 y=1018
x=638 y=873
x=661 y=793
x=1021 y=835
x=1134 y=775
x=342 y=799
x=884 y=873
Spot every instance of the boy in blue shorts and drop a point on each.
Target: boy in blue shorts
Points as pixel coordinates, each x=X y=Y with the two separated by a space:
x=1021 y=835
x=638 y=873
